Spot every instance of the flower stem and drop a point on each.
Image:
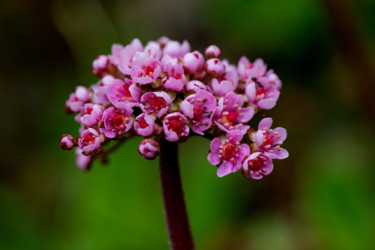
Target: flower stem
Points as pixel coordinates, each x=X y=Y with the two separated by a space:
x=174 y=205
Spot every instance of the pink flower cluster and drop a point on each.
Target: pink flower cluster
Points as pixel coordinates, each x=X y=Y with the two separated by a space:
x=165 y=90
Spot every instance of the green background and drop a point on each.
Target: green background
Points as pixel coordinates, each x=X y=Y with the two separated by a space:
x=321 y=197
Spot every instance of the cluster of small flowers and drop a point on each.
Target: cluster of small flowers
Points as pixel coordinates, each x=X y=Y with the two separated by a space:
x=164 y=90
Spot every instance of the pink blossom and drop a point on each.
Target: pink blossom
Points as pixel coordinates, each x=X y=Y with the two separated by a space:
x=256 y=165
x=230 y=115
x=193 y=62
x=67 y=142
x=115 y=53
x=145 y=69
x=212 y=51
x=227 y=82
x=174 y=78
x=99 y=95
x=116 y=122
x=158 y=102
x=126 y=56
x=269 y=140
x=92 y=114
x=123 y=96
x=99 y=65
x=144 y=125
x=175 y=49
x=215 y=67
x=153 y=50
x=89 y=140
x=77 y=99
x=199 y=107
x=149 y=148
x=83 y=161
x=175 y=126
x=196 y=85
x=260 y=96
x=228 y=154
x=247 y=70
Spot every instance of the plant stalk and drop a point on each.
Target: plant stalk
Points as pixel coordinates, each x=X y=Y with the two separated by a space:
x=179 y=233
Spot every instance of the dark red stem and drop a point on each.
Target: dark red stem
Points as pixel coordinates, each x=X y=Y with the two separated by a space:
x=180 y=237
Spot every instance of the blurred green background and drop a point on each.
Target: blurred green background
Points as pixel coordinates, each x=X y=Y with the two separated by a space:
x=321 y=197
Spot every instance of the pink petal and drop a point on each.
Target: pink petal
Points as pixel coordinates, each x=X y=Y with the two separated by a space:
x=224 y=169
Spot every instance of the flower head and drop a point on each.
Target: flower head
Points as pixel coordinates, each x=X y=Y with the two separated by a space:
x=163 y=90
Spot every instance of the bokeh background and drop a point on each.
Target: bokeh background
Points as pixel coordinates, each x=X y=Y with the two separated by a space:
x=321 y=197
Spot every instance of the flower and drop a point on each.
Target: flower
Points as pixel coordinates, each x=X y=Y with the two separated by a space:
x=92 y=113
x=149 y=148
x=158 y=102
x=257 y=164
x=175 y=126
x=248 y=70
x=77 y=99
x=144 y=125
x=229 y=114
x=123 y=96
x=67 y=142
x=228 y=154
x=212 y=51
x=199 y=107
x=116 y=122
x=83 y=161
x=89 y=140
x=260 y=96
x=145 y=69
x=193 y=62
x=269 y=140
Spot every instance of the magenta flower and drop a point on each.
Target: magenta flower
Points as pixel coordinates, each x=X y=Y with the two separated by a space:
x=116 y=122
x=229 y=114
x=257 y=165
x=158 y=102
x=115 y=53
x=92 y=114
x=226 y=83
x=174 y=78
x=175 y=126
x=199 y=107
x=149 y=148
x=175 y=49
x=123 y=96
x=77 y=99
x=193 y=62
x=228 y=153
x=269 y=140
x=83 y=161
x=67 y=142
x=153 y=50
x=144 y=125
x=126 y=55
x=215 y=67
x=99 y=65
x=196 y=85
x=212 y=51
x=89 y=140
x=99 y=90
x=248 y=70
x=145 y=69
x=260 y=96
